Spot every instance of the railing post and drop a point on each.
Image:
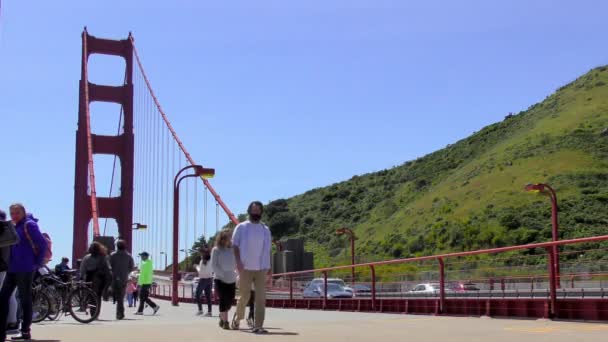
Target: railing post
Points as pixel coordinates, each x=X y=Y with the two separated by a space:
x=552 y=283
x=502 y=284
x=373 y=269
x=291 y=289
x=441 y=285
x=325 y=290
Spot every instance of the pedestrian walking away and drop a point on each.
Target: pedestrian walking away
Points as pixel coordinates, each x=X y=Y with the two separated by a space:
x=122 y=264
x=224 y=264
x=95 y=268
x=25 y=258
x=205 y=281
x=251 y=240
x=146 y=270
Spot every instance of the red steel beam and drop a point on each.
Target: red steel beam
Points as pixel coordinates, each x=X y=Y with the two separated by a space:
x=85 y=78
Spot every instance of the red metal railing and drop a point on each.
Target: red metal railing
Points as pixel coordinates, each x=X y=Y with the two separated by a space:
x=441 y=307
x=286 y=289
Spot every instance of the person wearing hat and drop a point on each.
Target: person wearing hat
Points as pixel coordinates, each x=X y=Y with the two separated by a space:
x=146 y=272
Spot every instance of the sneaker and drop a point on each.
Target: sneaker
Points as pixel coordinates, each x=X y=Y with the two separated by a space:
x=260 y=331
x=139 y=313
x=22 y=337
x=200 y=313
x=156 y=309
x=208 y=314
x=221 y=323
x=12 y=329
x=226 y=325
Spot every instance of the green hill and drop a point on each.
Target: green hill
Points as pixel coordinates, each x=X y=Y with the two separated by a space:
x=470 y=195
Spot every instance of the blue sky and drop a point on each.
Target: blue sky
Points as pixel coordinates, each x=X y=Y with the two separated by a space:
x=282 y=96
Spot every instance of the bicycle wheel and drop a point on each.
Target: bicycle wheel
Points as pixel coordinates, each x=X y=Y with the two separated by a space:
x=84 y=304
x=56 y=308
x=41 y=305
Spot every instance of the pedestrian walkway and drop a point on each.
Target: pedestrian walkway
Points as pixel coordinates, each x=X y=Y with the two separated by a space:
x=180 y=324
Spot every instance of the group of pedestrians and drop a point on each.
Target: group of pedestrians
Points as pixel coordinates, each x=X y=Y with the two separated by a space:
x=241 y=256
x=114 y=271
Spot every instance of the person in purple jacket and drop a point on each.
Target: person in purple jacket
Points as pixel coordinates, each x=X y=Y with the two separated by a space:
x=26 y=257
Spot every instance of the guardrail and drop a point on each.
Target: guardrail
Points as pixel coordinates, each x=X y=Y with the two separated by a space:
x=542 y=296
x=446 y=302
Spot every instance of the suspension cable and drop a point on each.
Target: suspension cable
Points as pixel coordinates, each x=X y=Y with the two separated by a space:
x=176 y=138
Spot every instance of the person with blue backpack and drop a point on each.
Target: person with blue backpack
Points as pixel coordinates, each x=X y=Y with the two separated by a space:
x=25 y=258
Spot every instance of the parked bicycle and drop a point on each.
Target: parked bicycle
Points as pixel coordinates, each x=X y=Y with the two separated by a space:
x=74 y=298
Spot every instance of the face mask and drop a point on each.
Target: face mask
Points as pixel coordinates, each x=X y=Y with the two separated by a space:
x=255 y=217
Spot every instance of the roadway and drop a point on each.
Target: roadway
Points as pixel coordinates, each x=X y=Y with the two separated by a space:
x=180 y=324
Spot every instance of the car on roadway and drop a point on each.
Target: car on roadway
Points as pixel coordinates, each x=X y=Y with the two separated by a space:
x=360 y=288
x=337 y=281
x=333 y=291
x=425 y=288
x=188 y=277
x=462 y=287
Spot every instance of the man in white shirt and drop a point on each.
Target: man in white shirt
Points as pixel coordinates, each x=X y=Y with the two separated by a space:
x=251 y=243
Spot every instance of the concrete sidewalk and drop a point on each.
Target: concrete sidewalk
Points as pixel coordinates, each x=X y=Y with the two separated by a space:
x=180 y=324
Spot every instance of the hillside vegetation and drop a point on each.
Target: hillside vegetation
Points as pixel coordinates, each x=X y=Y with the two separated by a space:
x=470 y=195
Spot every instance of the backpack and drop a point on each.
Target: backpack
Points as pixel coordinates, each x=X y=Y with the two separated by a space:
x=48 y=255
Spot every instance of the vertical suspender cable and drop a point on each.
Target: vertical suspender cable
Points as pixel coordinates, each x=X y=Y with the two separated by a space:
x=186 y=247
x=217 y=217
x=205 y=216
x=195 y=212
x=231 y=215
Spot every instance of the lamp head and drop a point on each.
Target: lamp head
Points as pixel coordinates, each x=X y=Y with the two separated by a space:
x=535 y=188
x=203 y=172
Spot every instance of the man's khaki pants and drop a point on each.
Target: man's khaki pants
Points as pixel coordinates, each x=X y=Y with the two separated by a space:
x=258 y=278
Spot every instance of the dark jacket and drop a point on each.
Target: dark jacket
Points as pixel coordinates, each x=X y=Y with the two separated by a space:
x=28 y=254
x=95 y=269
x=122 y=264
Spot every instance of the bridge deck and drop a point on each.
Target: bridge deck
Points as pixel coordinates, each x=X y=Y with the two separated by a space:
x=180 y=324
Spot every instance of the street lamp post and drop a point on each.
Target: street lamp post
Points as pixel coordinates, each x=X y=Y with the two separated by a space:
x=199 y=171
x=165 y=254
x=351 y=234
x=546 y=189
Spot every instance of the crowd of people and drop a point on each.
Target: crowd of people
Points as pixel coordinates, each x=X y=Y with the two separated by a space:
x=241 y=257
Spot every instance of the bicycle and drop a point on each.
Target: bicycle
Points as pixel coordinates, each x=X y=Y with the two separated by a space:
x=75 y=298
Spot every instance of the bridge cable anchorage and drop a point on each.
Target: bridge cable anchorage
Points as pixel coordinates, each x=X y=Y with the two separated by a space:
x=85 y=79
x=231 y=215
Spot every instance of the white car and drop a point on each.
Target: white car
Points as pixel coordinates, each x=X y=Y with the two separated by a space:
x=426 y=288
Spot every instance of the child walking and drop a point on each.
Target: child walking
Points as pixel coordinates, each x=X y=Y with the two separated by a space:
x=131 y=289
